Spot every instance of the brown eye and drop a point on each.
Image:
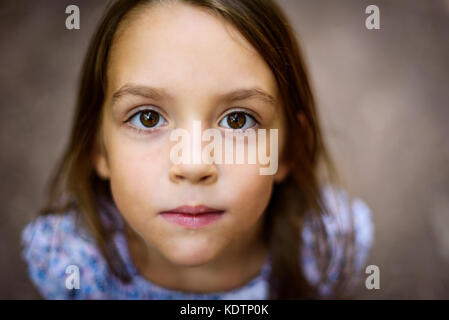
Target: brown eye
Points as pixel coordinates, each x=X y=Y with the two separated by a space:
x=149 y=118
x=236 y=120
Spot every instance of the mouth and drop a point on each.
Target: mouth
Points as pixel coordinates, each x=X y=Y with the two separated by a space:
x=192 y=216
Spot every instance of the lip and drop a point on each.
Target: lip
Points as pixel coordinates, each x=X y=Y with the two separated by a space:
x=192 y=216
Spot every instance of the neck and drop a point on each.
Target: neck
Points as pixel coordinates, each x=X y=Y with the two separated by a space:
x=237 y=264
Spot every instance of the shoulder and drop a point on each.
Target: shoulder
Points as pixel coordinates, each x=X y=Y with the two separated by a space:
x=55 y=248
x=350 y=235
x=346 y=215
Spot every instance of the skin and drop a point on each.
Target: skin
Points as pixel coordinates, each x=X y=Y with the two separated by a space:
x=195 y=57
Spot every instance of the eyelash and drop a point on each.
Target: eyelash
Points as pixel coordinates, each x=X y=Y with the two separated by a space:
x=152 y=129
x=141 y=130
x=246 y=113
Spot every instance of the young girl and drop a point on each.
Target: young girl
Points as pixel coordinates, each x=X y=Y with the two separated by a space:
x=134 y=225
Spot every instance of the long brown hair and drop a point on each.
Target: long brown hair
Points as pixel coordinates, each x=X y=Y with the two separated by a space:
x=75 y=184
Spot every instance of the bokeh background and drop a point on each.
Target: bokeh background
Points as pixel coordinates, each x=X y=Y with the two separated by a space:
x=383 y=98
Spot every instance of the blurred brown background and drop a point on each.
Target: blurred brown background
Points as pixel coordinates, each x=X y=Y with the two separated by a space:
x=383 y=97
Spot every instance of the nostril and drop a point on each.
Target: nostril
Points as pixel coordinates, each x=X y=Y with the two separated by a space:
x=193 y=174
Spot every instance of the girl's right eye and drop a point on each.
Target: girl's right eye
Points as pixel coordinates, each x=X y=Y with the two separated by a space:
x=147 y=119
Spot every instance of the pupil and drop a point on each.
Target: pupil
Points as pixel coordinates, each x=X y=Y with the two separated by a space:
x=149 y=118
x=236 y=120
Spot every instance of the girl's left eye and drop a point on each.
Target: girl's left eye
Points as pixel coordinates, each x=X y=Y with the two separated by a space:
x=238 y=120
x=147 y=119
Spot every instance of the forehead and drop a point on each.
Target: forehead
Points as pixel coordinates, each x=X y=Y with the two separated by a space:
x=184 y=48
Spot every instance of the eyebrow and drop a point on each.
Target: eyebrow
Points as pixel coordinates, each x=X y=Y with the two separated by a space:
x=160 y=93
x=137 y=90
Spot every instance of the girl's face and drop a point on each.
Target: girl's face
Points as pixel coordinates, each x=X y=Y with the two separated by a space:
x=181 y=63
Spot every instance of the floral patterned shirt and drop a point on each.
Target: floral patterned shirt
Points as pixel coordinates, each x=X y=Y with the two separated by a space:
x=52 y=243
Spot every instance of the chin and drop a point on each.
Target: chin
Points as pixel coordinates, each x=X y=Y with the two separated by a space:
x=191 y=253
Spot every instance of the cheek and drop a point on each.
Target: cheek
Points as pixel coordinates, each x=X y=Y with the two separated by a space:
x=136 y=173
x=246 y=191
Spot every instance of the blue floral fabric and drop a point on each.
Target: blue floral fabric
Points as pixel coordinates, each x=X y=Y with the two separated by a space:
x=52 y=243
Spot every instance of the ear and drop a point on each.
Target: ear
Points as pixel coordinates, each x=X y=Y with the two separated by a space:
x=281 y=173
x=100 y=160
x=283 y=168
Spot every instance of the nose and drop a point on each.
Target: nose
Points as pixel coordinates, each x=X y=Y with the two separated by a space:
x=204 y=174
